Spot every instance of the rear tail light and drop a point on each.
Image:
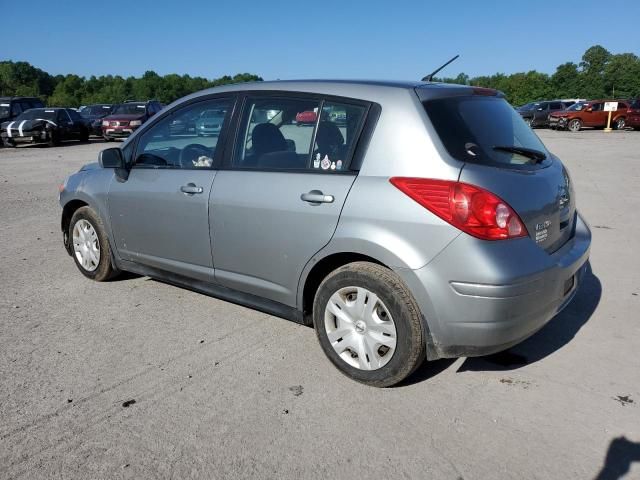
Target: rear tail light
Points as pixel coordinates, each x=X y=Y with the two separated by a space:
x=472 y=209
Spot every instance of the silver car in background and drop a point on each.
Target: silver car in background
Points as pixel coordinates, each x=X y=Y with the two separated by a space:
x=414 y=220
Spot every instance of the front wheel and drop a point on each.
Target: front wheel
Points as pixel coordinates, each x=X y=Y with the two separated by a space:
x=89 y=245
x=574 y=125
x=368 y=324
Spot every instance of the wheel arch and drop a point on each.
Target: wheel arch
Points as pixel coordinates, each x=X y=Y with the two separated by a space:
x=67 y=213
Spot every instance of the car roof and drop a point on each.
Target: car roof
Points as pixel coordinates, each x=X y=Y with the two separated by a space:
x=362 y=89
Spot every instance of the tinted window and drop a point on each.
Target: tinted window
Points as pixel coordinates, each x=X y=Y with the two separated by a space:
x=75 y=116
x=276 y=133
x=576 y=107
x=16 y=109
x=336 y=135
x=471 y=127
x=46 y=114
x=556 y=106
x=130 y=109
x=622 y=106
x=596 y=107
x=175 y=142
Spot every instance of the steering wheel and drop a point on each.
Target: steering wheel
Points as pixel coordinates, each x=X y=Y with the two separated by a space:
x=191 y=152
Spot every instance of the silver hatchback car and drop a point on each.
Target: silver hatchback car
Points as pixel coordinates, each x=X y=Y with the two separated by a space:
x=403 y=221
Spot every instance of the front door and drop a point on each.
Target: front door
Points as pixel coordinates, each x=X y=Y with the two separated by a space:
x=279 y=201
x=160 y=214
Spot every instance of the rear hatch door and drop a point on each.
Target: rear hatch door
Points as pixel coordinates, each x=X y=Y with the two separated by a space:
x=503 y=155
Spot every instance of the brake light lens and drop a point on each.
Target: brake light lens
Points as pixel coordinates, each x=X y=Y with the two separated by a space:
x=472 y=209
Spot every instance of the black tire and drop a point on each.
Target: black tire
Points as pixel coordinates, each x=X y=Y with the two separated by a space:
x=529 y=122
x=54 y=139
x=105 y=270
x=574 y=125
x=620 y=123
x=84 y=135
x=410 y=344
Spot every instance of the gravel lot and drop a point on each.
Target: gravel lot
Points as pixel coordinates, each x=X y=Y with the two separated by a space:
x=222 y=391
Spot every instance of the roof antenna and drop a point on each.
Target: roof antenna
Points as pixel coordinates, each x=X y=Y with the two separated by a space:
x=429 y=77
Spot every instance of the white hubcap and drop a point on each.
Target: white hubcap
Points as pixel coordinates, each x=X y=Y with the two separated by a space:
x=86 y=246
x=360 y=328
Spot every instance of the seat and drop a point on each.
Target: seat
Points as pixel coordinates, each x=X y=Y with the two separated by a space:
x=267 y=138
x=330 y=141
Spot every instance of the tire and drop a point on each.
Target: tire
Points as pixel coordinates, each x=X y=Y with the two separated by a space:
x=574 y=125
x=107 y=139
x=620 y=123
x=84 y=135
x=54 y=140
x=103 y=270
x=529 y=122
x=395 y=312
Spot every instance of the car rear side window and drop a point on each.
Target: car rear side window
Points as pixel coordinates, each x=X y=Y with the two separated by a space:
x=276 y=133
x=485 y=130
x=178 y=142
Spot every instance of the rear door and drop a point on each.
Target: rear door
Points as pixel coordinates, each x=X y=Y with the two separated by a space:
x=538 y=190
x=160 y=214
x=279 y=199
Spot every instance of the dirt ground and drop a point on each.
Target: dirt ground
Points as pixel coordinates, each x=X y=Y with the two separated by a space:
x=138 y=379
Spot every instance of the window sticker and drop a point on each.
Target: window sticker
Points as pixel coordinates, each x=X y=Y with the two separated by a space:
x=203 y=161
x=339 y=165
x=316 y=161
x=326 y=163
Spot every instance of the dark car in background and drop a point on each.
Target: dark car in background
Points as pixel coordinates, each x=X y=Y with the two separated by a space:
x=11 y=107
x=94 y=114
x=127 y=117
x=536 y=114
x=45 y=125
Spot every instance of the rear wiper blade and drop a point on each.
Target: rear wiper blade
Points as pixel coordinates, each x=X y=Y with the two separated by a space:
x=527 y=152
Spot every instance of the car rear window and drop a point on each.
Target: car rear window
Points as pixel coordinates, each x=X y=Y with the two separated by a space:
x=476 y=128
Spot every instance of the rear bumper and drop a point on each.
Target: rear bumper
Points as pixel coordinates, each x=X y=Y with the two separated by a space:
x=481 y=297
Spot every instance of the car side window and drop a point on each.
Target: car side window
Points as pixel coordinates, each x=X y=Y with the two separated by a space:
x=185 y=139
x=276 y=133
x=16 y=109
x=596 y=107
x=556 y=106
x=338 y=130
x=75 y=116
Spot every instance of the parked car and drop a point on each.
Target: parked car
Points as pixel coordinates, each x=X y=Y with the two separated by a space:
x=11 y=107
x=557 y=120
x=397 y=243
x=536 y=114
x=210 y=122
x=127 y=118
x=590 y=114
x=45 y=125
x=306 y=118
x=633 y=114
x=94 y=114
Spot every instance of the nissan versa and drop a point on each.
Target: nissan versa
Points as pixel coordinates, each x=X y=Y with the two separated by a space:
x=429 y=222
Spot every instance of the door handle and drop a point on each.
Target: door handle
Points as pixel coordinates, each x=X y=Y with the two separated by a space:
x=316 y=197
x=190 y=189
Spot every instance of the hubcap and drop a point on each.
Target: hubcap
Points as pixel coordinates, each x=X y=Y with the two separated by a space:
x=360 y=328
x=86 y=246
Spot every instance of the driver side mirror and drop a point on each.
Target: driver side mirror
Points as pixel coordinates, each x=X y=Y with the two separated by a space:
x=111 y=158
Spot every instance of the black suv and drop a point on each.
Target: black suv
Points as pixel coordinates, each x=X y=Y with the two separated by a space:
x=11 y=107
x=536 y=114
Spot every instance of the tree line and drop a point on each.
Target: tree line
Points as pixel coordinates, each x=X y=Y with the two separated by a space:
x=599 y=74
x=23 y=79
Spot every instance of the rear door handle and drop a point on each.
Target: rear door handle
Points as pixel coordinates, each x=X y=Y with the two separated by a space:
x=316 y=197
x=190 y=189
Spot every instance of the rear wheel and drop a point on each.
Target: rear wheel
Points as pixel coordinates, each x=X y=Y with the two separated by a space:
x=574 y=125
x=529 y=122
x=620 y=123
x=90 y=246
x=369 y=324
x=54 y=139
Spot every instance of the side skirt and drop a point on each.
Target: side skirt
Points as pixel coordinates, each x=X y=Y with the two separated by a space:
x=214 y=290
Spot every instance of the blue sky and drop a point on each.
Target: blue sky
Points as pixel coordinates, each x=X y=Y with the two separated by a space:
x=311 y=38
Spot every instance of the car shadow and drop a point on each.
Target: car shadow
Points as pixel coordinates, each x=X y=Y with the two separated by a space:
x=552 y=337
x=66 y=143
x=620 y=455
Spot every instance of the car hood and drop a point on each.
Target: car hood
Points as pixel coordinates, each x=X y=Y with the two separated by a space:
x=26 y=124
x=89 y=166
x=124 y=116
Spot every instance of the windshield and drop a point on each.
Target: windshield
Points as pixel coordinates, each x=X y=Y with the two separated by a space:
x=36 y=113
x=484 y=130
x=130 y=109
x=96 y=110
x=576 y=107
